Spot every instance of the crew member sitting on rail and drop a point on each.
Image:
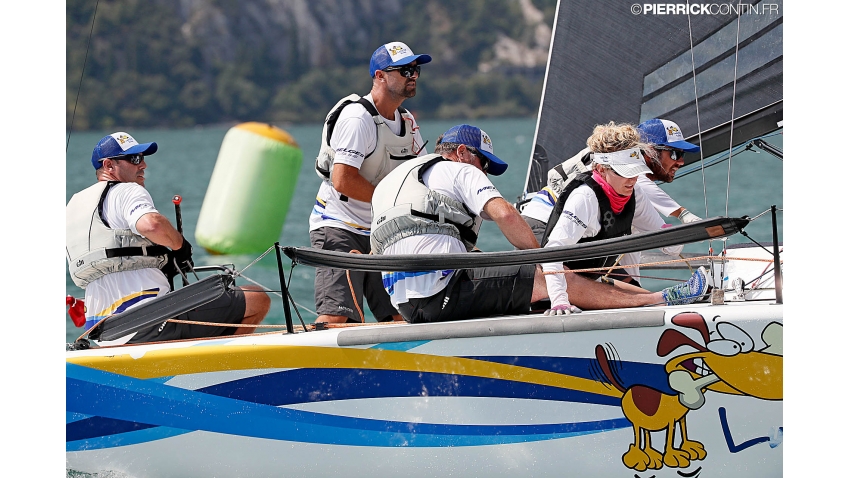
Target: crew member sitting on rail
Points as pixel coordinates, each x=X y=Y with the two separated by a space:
x=605 y=204
x=122 y=251
x=663 y=149
x=435 y=205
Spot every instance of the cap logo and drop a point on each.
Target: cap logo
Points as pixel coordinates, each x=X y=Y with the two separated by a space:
x=486 y=143
x=122 y=138
x=672 y=131
x=396 y=50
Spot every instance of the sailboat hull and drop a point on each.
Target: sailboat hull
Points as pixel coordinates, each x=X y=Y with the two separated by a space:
x=525 y=395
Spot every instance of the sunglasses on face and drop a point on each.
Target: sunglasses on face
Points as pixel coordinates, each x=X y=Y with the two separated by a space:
x=134 y=159
x=406 y=71
x=675 y=154
x=485 y=162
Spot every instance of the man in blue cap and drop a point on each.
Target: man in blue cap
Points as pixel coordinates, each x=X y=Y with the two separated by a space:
x=364 y=138
x=670 y=148
x=435 y=204
x=122 y=251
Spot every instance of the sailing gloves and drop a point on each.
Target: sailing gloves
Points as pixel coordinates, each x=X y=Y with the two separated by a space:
x=687 y=216
x=183 y=258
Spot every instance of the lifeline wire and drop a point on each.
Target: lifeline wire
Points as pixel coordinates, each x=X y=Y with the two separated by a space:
x=732 y=129
x=291 y=299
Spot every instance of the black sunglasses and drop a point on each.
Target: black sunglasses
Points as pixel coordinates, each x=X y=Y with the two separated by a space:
x=406 y=71
x=675 y=154
x=134 y=159
x=485 y=161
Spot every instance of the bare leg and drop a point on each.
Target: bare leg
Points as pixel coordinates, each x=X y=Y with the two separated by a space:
x=539 y=292
x=332 y=319
x=629 y=286
x=257 y=304
x=591 y=295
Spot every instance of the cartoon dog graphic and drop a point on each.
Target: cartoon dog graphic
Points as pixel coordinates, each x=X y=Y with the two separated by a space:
x=728 y=364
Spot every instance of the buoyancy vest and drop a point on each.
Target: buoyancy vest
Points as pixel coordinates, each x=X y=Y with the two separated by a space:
x=390 y=150
x=402 y=206
x=613 y=225
x=94 y=249
x=560 y=175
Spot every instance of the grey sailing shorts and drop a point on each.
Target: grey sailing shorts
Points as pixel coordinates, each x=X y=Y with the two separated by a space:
x=474 y=293
x=537 y=226
x=332 y=290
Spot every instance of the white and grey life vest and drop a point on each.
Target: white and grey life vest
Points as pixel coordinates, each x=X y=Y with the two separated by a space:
x=390 y=151
x=563 y=173
x=94 y=249
x=402 y=206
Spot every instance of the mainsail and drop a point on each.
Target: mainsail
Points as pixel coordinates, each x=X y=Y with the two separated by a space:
x=629 y=62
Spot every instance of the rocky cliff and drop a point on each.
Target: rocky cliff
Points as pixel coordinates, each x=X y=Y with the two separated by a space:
x=210 y=61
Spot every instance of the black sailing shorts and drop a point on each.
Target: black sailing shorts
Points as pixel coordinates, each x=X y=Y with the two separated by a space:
x=227 y=309
x=475 y=293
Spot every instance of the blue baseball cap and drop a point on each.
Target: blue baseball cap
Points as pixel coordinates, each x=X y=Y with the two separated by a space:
x=119 y=144
x=394 y=54
x=478 y=139
x=665 y=133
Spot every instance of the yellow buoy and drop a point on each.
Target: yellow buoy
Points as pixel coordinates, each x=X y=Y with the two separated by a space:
x=250 y=190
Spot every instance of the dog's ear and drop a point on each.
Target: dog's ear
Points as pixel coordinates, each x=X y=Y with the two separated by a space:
x=692 y=320
x=672 y=339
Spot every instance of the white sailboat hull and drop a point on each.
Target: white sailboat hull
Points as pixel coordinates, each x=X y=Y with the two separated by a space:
x=507 y=396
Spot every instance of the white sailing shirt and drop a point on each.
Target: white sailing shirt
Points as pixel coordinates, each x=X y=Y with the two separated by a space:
x=580 y=218
x=125 y=204
x=541 y=204
x=661 y=201
x=353 y=138
x=459 y=181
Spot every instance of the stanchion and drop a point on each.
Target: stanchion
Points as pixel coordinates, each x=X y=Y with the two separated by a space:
x=777 y=266
x=286 y=312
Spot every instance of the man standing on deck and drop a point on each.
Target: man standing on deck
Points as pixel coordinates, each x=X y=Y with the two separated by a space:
x=435 y=205
x=364 y=138
x=122 y=251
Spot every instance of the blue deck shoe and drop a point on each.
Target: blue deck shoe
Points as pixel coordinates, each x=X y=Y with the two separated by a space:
x=687 y=292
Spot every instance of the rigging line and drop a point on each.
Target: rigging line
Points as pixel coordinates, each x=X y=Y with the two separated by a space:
x=732 y=128
x=743 y=233
x=291 y=299
x=732 y=123
x=80 y=87
x=696 y=104
x=767 y=271
x=277 y=293
x=239 y=273
x=699 y=126
x=762 y=214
